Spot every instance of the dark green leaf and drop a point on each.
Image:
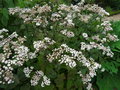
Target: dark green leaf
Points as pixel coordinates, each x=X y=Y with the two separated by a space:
x=108 y=82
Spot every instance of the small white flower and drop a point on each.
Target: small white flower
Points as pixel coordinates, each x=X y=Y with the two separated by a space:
x=27 y=71
x=85 y=35
x=67 y=33
x=37 y=24
x=103 y=69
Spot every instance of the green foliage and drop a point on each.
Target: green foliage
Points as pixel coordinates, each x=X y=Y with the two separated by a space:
x=113 y=65
x=1 y=3
x=115 y=4
x=4 y=16
x=8 y=3
x=111 y=81
x=26 y=3
x=116 y=27
x=86 y=1
x=29 y=3
x=114 y=12
x=106 y=81
x=63 y=78
x=108 y=9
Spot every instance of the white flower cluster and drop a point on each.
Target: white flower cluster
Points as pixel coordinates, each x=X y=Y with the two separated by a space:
x=64 y=7
x=27 y=71
x=21 y=54
x=95 y=8
x=93 y=45
x=109 y=37
x=6 y=75
x=38 y=45
x=88 y=77
x=112 y=37
x=64 y=14
x=85 y=18
x=56 y=17
x=86 y=80
x=68 y=61
x=46 y=81
x=67 y=33
x=8 y=39
x=85 y=35
x=99 y=42
x=92 y=72
x=107 y=26
x=98 y=39
x=14 y=53
x=75 y=55
x=43 y=9
x=2 y=31
x=29 y=14
x=57 y=53
x=12 y=11
x=36 y=78
x=69 y=20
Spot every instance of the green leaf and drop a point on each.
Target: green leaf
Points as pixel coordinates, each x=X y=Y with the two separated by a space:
x=116 y=46
x=20 y=3
x=111 y=66
x=21 y=74
x=51 y=87
x=38 y=87
x=41 y=61
x=69 y=84
x=5 y=16
x=25 y=87
x=108 y=82
x=9 y=3
x=5 y=13
x=1 y=3
x=60 y=81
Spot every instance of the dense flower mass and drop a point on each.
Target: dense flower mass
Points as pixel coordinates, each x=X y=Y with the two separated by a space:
x=82 y=32
x=67 y=33
x=14 y=53
x=37 y=76
x=35 y=14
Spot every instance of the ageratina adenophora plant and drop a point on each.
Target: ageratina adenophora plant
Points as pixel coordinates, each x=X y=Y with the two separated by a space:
x=71 y=44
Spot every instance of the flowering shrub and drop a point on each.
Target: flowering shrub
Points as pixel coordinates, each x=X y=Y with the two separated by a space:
x=68 y=48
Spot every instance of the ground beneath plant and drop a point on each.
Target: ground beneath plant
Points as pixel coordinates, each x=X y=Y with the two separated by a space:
x=114 y=17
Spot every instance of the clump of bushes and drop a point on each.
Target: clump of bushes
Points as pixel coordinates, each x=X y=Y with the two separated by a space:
x=56 y=47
